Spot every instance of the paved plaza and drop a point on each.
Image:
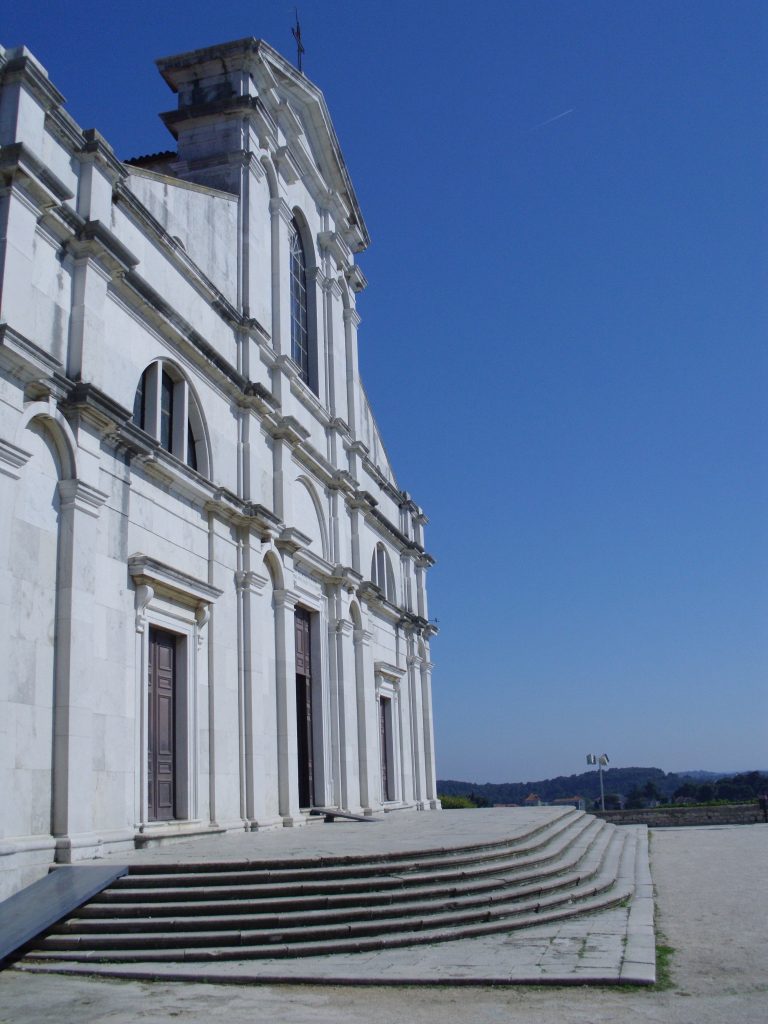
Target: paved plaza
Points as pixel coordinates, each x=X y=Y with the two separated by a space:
x=712 y=895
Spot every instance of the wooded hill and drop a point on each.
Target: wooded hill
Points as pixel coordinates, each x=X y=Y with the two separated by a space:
x=622 y=781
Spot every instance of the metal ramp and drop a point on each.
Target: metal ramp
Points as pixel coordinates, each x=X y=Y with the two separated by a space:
x=331 y=813
x=34 y=910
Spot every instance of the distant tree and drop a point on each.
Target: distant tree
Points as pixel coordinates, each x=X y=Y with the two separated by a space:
x=688 y=791
x=612 y=802
x=456 y=803
x=479 y=800
x=635 y=799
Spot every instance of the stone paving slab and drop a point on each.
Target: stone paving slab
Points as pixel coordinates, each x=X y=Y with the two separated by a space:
x=609 y=947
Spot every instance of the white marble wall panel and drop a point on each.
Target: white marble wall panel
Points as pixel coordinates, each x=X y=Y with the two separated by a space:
x=205 y=223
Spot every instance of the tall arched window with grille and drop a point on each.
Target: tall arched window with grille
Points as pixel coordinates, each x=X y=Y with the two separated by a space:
x=299 y=304
x=381 y=573
x=165 y=407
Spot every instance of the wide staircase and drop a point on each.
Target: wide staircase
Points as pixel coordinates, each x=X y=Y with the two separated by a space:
x=572 y=865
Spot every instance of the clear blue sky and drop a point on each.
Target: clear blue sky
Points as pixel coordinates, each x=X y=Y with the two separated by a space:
x=563 y=340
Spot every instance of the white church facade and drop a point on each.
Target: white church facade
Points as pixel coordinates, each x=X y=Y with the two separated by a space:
x=213 y=608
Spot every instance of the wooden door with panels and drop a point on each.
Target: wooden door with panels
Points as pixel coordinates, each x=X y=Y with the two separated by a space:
x=303 y=629
x=385 y=746
x=161 y=726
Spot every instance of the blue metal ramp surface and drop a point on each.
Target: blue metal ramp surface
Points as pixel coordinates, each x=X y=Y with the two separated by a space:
x=38 y=907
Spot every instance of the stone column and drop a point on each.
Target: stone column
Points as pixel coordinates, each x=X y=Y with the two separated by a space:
x=73 y=701
x=347 y=715
x=367 y=737
x=250 y=586
x=429 y=747
x=416 y=724
x=351 y=323
x=285 y=673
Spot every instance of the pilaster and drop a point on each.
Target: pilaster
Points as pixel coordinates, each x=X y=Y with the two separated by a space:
x=367 y=736
x=250 y=588
x=285 y=679
x=72 y=815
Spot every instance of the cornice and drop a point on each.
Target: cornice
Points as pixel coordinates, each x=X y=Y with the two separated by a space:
x=63 y=126
x=372 y=596
x=12 y=459
x=362 y=500
x=346 y=577
x=27 y=361
x=46 y=188
x=292 y=540
x=289 y=429
x=97 y=149
x=250 y=107
x=177 y=475
x=341 y=427
x=316 y=463
x=314 y=565
x=385 y=668
x=389 y=488
x=260 y=398
x=301 y=390
x=344 y=482
x=418 y=625
x=94 y=405
x=334 y=245
x=23 y=67
x=359 y=449
x=287 y=166
x=148 y=571
x=357 y=281
x=263 y=519
x=94 y=239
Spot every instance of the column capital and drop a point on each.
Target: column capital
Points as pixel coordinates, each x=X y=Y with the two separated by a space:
x=278 y=207
x=363 y=637
x=251 y=581
x=82 y=497
x=286 y=599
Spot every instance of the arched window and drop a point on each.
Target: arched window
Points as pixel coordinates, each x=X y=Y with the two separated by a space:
x=165 y=407
x=381 y=573
x=299 y=304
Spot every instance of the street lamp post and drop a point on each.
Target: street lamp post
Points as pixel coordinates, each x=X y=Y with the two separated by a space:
x=601 y=760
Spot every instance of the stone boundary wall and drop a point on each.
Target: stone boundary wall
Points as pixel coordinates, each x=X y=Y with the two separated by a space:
x=661 y=817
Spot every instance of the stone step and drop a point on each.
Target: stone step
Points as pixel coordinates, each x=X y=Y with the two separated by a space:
x=144 y=876
x=241 y=886
x=582 y=868
x=239 y=944
x=290 y=911
x=533 y=838
x=427 y=936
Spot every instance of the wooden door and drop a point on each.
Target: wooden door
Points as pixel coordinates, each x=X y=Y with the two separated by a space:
x=304 y=707
x=384 y=744
x=161 y=727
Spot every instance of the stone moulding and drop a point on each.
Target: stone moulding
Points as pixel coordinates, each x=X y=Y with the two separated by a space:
x=147 y=571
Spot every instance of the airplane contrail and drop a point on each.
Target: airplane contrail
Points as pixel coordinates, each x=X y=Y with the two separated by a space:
x=557 y=117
